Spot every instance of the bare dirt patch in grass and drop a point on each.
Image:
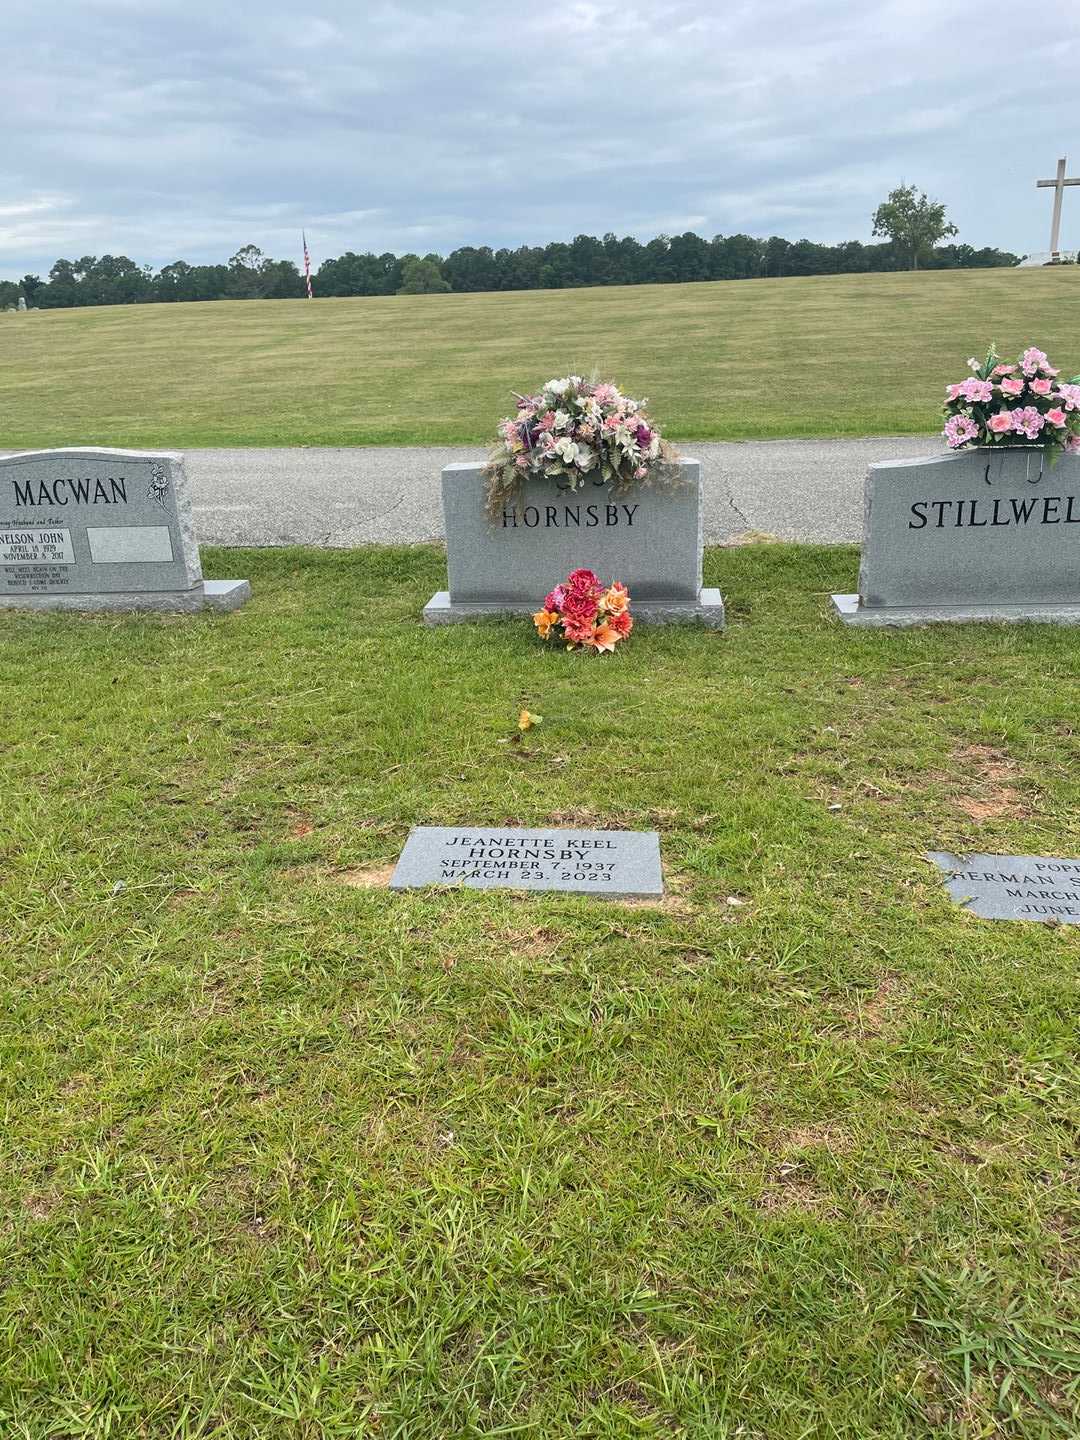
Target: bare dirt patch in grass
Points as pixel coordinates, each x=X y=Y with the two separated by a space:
x=365 y=877
x=40 y=1204
x=873 y=1013
x=788 y=1190
x=991 y=774
x=751 y=537
x=530 y=943
x=816 y=1137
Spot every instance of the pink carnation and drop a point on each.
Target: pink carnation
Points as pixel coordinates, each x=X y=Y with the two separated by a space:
x=579 y=608
x=959 y=430
x=578 y=631
x=1027 y=422
x=1033 y=360
x=584 y=580
x=977 y=391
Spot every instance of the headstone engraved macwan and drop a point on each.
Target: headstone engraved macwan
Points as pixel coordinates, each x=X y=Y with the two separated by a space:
x=97 y=529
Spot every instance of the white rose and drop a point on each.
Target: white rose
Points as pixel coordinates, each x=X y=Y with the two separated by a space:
x=562 y=420
x=557 y=387
x=566 y=450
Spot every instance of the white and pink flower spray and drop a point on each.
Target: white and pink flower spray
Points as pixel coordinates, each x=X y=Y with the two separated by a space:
x=576 y=432
x=1014 y=404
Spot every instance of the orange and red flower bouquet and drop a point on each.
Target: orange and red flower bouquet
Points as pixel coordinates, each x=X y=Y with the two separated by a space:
x=584 y=615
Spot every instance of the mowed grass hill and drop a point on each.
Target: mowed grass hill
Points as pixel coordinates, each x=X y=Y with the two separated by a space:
x=829 y=355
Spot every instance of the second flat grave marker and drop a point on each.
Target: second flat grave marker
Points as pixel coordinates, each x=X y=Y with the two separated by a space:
x=1013 y=887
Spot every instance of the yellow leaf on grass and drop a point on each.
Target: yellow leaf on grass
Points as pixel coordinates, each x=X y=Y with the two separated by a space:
x=526 y=720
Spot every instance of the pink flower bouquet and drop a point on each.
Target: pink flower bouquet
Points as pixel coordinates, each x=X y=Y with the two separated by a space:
x=1020 y=404
x=572 y=432
x=588 y=616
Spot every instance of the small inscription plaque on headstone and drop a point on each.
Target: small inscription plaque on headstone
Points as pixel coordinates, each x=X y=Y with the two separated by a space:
x=593 y=862
x=1013 y=887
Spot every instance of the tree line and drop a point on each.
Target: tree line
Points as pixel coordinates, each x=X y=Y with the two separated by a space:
x=585 y=260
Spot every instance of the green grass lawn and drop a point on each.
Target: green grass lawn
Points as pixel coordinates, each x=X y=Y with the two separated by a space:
x=835 y=355
x=789 y=1154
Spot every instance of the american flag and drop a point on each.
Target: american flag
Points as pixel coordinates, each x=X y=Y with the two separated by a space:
x=307 y=265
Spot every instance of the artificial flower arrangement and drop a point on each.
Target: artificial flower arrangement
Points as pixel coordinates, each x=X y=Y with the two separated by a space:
x=575 y=430
x=1021 y=404
x=588 y=616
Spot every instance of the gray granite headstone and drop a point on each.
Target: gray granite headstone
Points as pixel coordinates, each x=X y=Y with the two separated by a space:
x=622 y=863
x=649 y=537
x=975 y=535
x=100 y=529
x=1013 y=887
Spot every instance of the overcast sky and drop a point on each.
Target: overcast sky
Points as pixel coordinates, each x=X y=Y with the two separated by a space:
x=166 y=129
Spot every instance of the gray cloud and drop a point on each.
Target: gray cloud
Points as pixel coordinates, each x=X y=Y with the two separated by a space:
x=168 y=129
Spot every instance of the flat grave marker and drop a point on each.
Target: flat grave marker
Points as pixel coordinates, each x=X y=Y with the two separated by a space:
x=623 y=863
x=1013 y=887
x=99 y=529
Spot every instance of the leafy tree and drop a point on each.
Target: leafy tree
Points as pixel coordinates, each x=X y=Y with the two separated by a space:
x=912 y=222
x=248 y=279
x=118 y=280
x=9 y=294
x=421 y=277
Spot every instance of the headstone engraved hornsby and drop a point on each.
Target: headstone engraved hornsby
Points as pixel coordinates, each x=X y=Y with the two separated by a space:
x=1013 y=887
x=623 y=863
x=102 y=530
x=647 y=536
x=977 y=535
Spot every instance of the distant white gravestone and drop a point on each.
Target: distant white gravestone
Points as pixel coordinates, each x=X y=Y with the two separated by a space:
x=102 y=530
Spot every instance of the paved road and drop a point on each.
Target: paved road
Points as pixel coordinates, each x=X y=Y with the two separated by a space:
x=793 y=489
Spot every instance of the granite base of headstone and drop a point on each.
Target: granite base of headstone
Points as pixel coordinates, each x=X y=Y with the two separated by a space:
x=608 y=863
x=102 y=530
x=1013 y=887
x=976 y=535
x=649 y=537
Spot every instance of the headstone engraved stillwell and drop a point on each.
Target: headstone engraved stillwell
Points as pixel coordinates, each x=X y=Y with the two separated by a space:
x=647 y=536
x=98 y=529
x=981 y=534
x=1013 y=887
x=609 y=863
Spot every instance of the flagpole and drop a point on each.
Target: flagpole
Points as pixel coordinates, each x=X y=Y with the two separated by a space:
x=307 y=264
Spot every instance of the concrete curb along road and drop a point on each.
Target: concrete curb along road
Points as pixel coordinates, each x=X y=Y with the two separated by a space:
x=808 y=490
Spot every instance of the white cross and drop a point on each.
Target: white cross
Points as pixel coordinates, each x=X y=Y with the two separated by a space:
x=1058 y=187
